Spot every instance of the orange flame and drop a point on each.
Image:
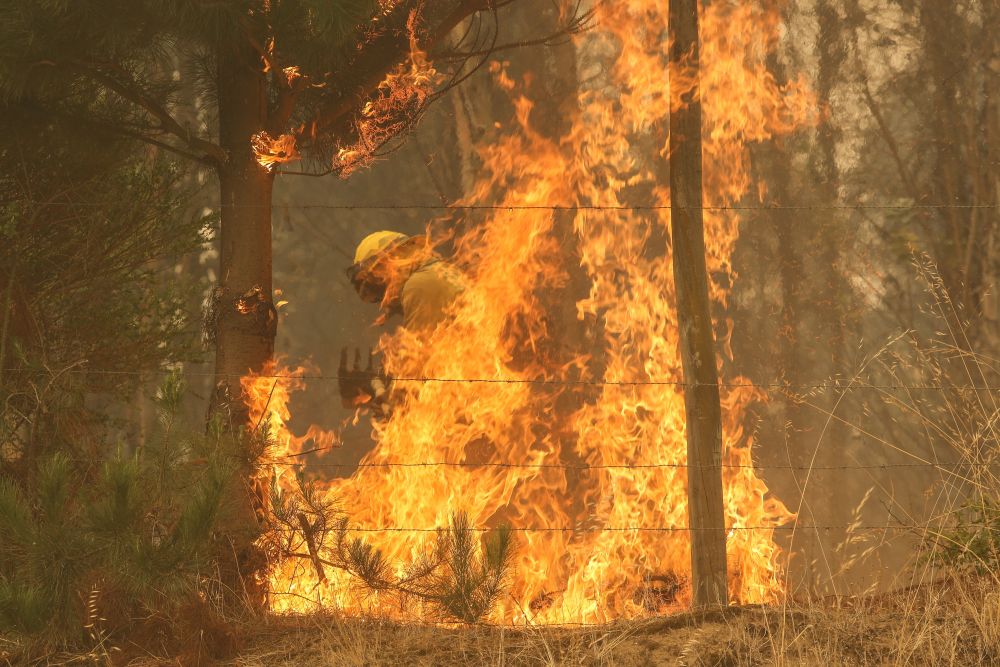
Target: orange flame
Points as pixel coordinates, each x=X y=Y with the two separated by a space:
x=268 y=395
x=270 y=152
x=576 y=413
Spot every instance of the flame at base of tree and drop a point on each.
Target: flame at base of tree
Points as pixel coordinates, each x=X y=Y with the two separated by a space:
x=589 y=436
x=268 y=395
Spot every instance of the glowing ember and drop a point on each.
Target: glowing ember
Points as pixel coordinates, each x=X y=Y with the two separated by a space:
x=292 y=74
x=501 y=329
x=270 y=152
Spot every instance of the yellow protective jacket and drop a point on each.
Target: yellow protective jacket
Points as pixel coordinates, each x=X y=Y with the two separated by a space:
x=424 y=300
x=427 y=293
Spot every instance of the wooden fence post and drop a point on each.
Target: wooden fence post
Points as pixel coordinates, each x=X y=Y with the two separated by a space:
x=701 y=391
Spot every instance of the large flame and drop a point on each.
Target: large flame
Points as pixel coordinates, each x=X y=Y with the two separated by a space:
x=590 y=421
x=269 y=396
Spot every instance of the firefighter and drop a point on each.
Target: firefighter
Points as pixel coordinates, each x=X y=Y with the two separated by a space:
x=403 y=276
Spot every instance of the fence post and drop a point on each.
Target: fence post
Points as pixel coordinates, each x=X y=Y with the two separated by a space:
x=701 y=391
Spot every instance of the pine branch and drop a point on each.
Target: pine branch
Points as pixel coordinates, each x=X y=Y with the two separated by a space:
x=381 y=54
x=389 y=52
x=307 y=531
x=131 y=92
x=170 y=148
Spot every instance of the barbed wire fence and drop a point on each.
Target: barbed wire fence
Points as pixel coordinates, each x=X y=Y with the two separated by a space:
x=947 y=467
x=953 y=468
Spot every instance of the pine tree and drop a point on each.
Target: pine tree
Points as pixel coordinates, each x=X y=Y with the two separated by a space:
x=86 y=225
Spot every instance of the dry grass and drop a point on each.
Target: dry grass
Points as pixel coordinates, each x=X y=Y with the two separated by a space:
x=956 y=622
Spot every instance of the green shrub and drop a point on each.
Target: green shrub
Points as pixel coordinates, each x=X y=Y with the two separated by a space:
x=88 y=547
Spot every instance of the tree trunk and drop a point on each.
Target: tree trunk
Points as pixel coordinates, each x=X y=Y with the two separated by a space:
x=701 y=392
x=944 y=48
x=811 y=338
x=829 y=303
x=245 y=317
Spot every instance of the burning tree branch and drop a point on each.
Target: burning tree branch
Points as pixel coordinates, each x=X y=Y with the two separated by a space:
x=388 y=85
x=577 y=23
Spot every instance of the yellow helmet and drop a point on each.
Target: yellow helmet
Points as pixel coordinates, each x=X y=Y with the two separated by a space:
x=372 y=244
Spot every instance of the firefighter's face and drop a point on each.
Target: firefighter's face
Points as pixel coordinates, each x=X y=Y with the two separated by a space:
x=368 y=281
x=371 y=291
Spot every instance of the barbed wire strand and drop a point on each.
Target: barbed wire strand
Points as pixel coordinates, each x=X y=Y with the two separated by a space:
x=845 y=385
x=574 y=207
x=640 y=529
x=625 y=466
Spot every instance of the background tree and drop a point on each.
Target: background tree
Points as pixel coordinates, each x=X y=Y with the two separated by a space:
x=900 y=163
x=85 y=225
